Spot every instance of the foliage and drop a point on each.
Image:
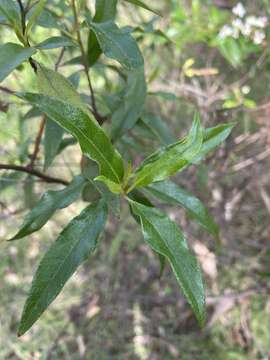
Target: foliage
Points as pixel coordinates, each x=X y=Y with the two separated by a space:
x=101 y=124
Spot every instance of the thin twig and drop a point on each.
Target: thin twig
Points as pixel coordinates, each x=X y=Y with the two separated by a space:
x=58 y=62
x=22 y=10
x=37 y=142
x=44 y=177
x=7 y=90
x=98 y=117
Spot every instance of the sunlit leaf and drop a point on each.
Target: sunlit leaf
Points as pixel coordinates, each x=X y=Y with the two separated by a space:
x=171 y=159
x=93 y=140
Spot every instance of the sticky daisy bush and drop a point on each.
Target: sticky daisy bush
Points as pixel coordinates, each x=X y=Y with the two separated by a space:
x=93 y=40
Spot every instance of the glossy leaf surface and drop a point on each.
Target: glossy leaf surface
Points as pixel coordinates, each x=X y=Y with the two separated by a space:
x=172 y=194
x=117 y=44
x=171 y=159
x=93 y=141
x=212 y=138
x=73 y=246
x=165 y=238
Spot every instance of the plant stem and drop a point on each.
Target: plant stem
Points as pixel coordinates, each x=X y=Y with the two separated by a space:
x=7 y=90
x=98 y=117
x=44 y=177
x=22 y=10
x=37 y=142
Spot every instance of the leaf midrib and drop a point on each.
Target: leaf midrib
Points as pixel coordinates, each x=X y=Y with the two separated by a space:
x=126 y=56
x=93 y=144
x=55 y=275
x=175 y=260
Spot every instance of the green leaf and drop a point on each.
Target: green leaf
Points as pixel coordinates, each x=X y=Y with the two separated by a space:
x=142 y=5
x=35 y=14
x=170 y=193
x=131 y=105
x=171 y=159
x=55 y=42
x=10 y=9
x=212 y=138
x=117 y=44
x=113 y=187
x=52 y=141
x=90 y=171
x=158 y=128
x=231 y=50
x=52 y=83
x=165 y=238
x=48 y=20
x=93 y=141
x=47 y=206
x=105 y=11
x=11 y=56
x=73 y=246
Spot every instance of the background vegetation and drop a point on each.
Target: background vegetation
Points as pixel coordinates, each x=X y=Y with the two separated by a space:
x=212 y=56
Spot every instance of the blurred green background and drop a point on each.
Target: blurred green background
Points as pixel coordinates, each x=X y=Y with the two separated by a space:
x=208 y=55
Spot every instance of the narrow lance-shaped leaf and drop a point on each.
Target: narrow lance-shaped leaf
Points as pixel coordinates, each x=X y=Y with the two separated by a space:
x=11 y=56
x=170 y=193
x=117 y=44
x=139 y=197
x=142 y=5
x=37 y=10
x=171 y=159
x=73 y=246
x=48 y=204
x=93 y=141
x=165 y=238
x=131 y=105
x=212 y=138
x=11 y=11
x=105 y=11
x=55 y=42
x=52 y=141
x=51 y=83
